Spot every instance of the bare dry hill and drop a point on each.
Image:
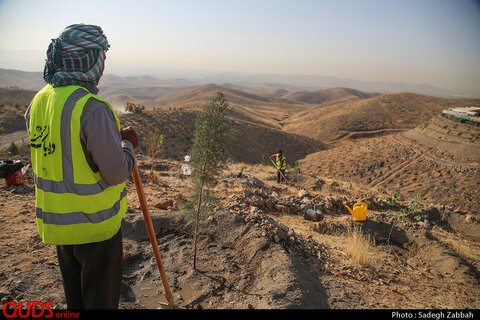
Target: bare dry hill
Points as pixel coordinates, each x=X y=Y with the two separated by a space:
x=16 y=96
x=119 y=90
x=259 y=108
x=118 y=96
x=366 y=118
x=251 y=144
x=21 y=79
x=198 y=95
x=322 y=96
x=455 y=140
x=13 y=104
x=436 y=163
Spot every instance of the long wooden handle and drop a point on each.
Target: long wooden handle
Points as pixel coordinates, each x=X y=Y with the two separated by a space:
x=278 y=169
x=151 y=235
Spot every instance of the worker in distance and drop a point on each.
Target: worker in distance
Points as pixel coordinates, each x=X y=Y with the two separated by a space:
x=281 y=165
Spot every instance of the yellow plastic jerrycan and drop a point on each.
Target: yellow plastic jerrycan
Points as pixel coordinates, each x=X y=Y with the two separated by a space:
x=359 y=211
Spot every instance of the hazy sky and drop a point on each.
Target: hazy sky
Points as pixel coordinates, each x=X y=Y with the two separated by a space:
x=420 y=41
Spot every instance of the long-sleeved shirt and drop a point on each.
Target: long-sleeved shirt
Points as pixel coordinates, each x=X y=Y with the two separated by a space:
x=103 y=146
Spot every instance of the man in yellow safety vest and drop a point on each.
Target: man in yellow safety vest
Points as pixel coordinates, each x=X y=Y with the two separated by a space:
x=80 y=160
x=281 y=164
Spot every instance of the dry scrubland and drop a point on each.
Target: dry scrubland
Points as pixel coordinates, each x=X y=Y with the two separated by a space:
x=257 y=249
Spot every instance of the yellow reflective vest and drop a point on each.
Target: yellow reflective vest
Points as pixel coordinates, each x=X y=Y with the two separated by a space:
x=74 y=205
x=281 y=162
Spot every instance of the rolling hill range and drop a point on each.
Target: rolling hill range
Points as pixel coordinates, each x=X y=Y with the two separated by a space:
x=255 y=83
x=259 y=247
x=258 y=108
x=383 y=114
x=331 y=116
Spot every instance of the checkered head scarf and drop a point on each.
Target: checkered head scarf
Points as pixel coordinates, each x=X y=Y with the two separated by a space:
x=76 y=57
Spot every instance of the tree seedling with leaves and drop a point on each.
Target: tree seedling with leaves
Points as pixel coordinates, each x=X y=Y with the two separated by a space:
x=415 y=209
x=208 y=155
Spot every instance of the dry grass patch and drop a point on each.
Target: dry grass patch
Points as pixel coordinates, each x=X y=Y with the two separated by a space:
x=360 y=248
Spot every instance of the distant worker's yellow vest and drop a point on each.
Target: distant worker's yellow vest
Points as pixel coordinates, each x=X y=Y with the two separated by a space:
x=74 y=205
x=280 y=165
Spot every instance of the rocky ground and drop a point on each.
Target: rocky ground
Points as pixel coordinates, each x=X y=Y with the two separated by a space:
x=259 y=249
x=437 y=163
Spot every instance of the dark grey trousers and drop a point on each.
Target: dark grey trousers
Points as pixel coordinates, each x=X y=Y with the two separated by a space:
x=92 y=273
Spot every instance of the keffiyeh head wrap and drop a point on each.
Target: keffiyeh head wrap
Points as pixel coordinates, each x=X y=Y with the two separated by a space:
x=76 y=57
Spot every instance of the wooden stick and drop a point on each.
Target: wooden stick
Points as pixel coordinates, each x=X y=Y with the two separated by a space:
x=151 y=235
x=278 y=170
